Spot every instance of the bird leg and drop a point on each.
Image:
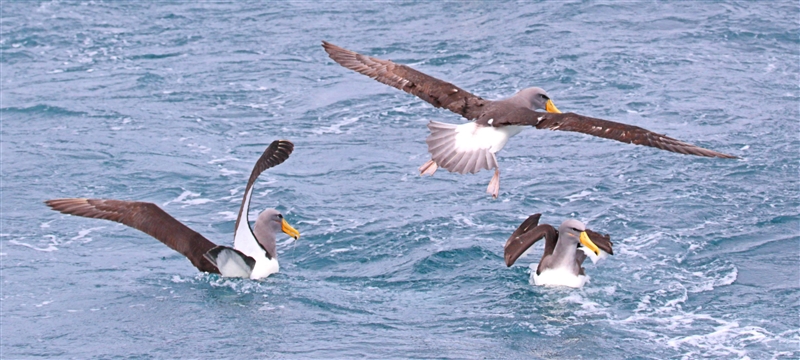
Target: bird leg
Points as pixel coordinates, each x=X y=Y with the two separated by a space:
x=428 y=168
x=494 y=184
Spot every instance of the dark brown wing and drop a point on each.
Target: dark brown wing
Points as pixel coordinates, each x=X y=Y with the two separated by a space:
x=273 y=155
x=517 y=245
x=438 y=93
x=603 y=241
x=526 y=225
x=580 y=256
x=605 y=129
x=146 y=217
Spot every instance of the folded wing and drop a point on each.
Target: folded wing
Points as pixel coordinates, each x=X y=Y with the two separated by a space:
x=603 y=241
x=145 y=217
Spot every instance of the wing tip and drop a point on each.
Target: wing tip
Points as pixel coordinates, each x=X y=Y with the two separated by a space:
x=63 y=205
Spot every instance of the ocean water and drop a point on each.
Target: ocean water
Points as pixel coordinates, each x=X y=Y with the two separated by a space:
x=172 y=103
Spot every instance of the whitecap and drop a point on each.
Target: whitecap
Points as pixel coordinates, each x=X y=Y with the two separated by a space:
x=50 y=247
x=47 y=302
x=335 y=128
x=82 y=235
x=578 y=196
x=226 y=172
x=222 y=160
x=183 y=199
x=228 y=215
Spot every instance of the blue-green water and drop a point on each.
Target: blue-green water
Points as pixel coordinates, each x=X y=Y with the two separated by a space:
x=172 y=104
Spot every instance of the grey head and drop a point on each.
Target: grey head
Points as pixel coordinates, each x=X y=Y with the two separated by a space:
x=570 y=232
x=269 y=223
x=534 y=98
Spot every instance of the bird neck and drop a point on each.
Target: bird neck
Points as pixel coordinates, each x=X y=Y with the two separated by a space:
x=265 y=237
x=564 y=254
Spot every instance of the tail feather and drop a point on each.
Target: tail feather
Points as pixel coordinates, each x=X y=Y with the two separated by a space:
x=445 y=151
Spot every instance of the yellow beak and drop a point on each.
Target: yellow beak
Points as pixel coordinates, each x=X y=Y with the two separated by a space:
x=550 y=107
x=588 y=243
x=289 y=230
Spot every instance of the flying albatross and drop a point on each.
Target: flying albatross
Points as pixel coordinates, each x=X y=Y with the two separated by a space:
x=253 y=254
x=470 y=147
x=563 y=254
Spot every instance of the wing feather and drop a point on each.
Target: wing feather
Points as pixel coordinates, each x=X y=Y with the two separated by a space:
x=145 y=217
x=605 y=129
x=437 y=92
x=276 y=153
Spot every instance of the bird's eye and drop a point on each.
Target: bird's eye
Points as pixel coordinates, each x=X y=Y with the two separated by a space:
x=576 y=230
x=545 y=97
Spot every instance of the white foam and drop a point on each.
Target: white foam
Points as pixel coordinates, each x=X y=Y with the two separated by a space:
x=183 y=199
x=464 y=220
x=335 y=128
x=587 y=306
x=197 y=202
x=44 y=303
x=82 y=235
x=222 y=160
x=226 y=172
x=178 y=279
x=718 y=342
x=50 y=247
x=199 y=148
x=578 y=196
x=228 y=215
x=708 y=283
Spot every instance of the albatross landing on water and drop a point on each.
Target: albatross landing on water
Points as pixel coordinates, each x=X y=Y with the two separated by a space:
x=253 y=254
x=470 y=147
x=564 y=250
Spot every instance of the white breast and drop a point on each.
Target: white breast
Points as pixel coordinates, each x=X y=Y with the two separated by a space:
x=245 y=242
x=471 y=136
x=264 y=267
x=557 y=277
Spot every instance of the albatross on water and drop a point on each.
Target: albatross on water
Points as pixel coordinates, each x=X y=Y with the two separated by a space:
x=563 y=255
x=254 y=252
x=470 y=147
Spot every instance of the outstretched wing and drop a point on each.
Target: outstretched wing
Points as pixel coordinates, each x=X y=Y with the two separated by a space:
x=438 y=93
x=273 y=155
x=517 y=245
x=605 y=129
x=145 y=217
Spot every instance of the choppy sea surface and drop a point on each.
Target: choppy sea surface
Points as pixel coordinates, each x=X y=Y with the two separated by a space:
x=172 y=103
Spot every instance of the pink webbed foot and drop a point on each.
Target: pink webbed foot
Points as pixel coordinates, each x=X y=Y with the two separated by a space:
x=494 y=184
x=428 y=168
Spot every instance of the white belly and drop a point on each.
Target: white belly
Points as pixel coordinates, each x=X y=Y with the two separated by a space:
x=557 y=277
x=471 y=137
x=246 y=243
x=264 y=267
